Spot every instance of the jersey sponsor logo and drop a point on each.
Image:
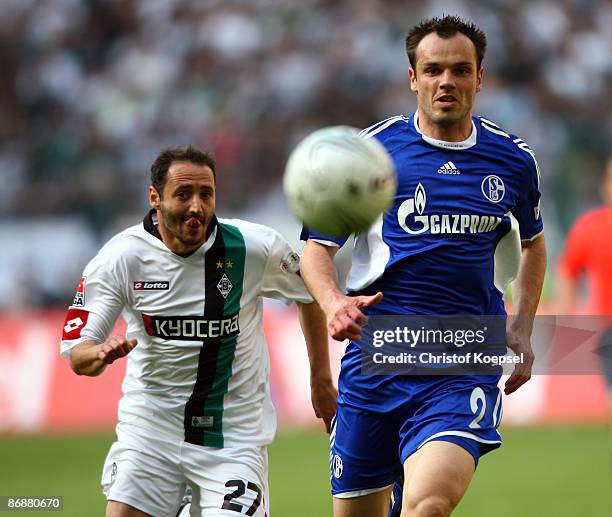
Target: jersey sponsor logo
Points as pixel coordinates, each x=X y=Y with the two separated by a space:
x=190 y=328
x=141 y=285
x=224 y=285
x=79 y=296
x=441 y=223
x=76 y=319
x=290 y=263
x=449 y=168
x=493 y=188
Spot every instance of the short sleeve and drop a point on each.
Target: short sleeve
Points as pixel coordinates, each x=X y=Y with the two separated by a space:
x=281 y=278
x=96 y=306
x=328 y=240
x=527 y=210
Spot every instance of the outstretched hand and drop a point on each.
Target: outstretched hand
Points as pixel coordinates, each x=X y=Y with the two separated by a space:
x=115 y=347
x=345 y=319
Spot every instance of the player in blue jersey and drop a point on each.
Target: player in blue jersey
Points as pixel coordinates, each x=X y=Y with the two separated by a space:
x=448 y=246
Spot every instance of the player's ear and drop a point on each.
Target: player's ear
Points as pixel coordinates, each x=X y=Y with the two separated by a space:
x=479 y=76
x=154 y=198
x=413 y=79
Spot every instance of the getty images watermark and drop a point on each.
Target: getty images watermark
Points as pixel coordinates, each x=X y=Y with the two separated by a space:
x=459 y=345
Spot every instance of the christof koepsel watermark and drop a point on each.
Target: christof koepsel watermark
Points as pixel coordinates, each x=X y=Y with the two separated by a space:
x=400 y=344
x=428 y=358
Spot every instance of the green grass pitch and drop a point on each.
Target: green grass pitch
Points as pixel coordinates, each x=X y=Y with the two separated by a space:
x=540 y=472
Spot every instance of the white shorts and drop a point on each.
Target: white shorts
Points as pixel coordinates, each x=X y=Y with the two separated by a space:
x=152 y=477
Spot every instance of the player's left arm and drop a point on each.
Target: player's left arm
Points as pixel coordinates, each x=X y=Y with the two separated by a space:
x=322 y=390
x=282 y=281
x=527 y=287
x=526 y=293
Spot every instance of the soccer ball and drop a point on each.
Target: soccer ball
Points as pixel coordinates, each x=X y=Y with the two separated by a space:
x=338 y=183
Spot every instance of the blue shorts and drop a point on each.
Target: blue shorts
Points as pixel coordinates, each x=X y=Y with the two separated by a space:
x=371 y=442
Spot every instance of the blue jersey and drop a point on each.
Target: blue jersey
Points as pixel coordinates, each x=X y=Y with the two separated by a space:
x=449 y=244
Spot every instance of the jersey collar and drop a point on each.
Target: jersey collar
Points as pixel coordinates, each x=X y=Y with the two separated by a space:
x=470 y=141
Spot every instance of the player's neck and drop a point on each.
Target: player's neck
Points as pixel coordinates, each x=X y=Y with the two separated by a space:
x=456 y=132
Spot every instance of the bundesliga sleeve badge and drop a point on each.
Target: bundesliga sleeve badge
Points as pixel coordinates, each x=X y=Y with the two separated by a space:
x=290 y=263
x=79 y=296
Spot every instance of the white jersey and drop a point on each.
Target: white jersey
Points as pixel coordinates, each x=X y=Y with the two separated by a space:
x=200 y=370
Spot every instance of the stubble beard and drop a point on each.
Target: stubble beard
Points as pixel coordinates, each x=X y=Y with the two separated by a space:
x=173 y=223
x=448 y=119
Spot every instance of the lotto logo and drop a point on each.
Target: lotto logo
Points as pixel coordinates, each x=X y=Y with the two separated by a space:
x=141 y=285
x=73 y=324
x=76 y=319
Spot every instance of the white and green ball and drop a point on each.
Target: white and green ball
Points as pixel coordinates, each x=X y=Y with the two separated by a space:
x=339 y=183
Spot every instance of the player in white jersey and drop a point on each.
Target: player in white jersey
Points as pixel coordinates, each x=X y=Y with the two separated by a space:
x=196 y=408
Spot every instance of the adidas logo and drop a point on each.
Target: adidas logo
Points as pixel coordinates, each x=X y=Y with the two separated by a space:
x=449 y=168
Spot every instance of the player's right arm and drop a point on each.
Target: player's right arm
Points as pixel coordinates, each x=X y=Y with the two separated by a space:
x=100 y=297
x=91 y=358
x=343 y=313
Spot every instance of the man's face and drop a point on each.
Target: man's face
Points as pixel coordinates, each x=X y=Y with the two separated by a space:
x=446 y=78
x=186 y=206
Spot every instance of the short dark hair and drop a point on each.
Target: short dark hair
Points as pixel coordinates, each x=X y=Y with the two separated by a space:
x=159 y=169
x=445 y=27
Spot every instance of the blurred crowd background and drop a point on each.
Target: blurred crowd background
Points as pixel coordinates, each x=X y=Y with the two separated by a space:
x=91 y=90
